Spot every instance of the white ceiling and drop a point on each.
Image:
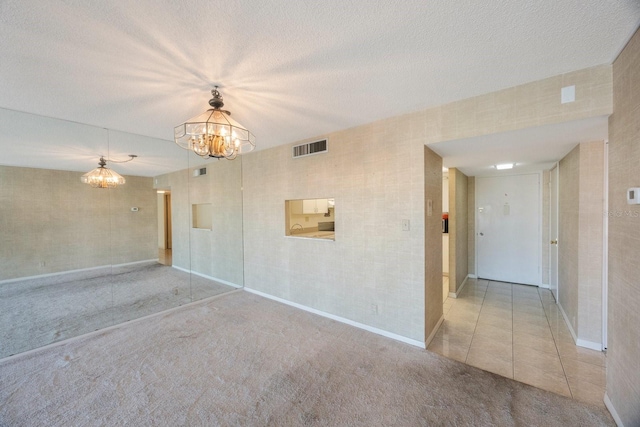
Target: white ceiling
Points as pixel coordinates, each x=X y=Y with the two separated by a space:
x=288 y=70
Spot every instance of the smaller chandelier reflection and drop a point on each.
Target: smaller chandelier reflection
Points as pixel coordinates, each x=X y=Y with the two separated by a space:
x=214 y=133
x=103 y=177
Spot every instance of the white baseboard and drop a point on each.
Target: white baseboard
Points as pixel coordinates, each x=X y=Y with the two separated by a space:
x=544 y=285
x=215 y=279
x=135 y=262
x=579 y=341
x=433 y=333
x=612 y=410
x=79 y=270
x=464 y=282
x=589 y=344
x=340 y=319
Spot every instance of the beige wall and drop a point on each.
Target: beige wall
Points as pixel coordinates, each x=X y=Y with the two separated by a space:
x=218 y=252
x=458 y=229
x=569 y=235
x=51 y=222
x=623 y=361
x=546 y=199
x=580 y=248
x=374 y=272
x=433 y=241
x=529 y=105
x=471 y=225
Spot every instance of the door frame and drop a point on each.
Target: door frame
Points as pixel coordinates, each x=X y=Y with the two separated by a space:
x=540 y=218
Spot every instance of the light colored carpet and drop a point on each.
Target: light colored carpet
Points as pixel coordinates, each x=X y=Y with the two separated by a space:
x=37 y=312
x=240 y=359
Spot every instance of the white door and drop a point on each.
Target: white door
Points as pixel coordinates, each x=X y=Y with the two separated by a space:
x=553 y=232
x=508 y=228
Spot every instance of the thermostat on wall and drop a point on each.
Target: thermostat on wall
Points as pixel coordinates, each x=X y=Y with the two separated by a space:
x=134 y=209
x=633 y=196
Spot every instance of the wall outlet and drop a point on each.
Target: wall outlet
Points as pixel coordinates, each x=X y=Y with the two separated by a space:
x=42 y=263
x=406 y=225
x=374 y=308
x=306 y=219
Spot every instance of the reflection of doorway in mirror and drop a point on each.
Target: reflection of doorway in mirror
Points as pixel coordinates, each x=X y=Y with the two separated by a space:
x=164 y=228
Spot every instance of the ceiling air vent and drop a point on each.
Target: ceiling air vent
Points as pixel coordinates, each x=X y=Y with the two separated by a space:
x=310 y=148
x=200 y=171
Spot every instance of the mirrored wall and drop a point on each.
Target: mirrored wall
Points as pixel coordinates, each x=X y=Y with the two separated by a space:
x=75 y=259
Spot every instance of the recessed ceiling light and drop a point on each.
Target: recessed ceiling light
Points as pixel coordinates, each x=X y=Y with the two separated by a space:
x=504 y=166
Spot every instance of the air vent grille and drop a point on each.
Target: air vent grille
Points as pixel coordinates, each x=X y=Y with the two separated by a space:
x=200 y=171
x=310 y=148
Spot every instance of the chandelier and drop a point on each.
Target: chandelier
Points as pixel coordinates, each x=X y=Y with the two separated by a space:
x=214 y=133
x=103 y=177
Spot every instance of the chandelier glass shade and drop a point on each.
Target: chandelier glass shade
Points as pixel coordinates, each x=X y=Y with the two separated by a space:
x=102 y=177
x=214 y=133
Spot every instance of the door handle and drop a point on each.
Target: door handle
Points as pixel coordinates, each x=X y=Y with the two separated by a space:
x=554 y=242
x=482 y=234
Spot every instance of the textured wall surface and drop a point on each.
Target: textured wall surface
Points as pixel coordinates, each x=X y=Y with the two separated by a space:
x=519 y=107
x=433 y=240
x=568 y=235
x=546 y=195
x=623 y=363
x=458 y=229
x=471 y=224
x=217 y=252
x=374 y=272
x=580 y=248
x=591 y=241
x=51 y=222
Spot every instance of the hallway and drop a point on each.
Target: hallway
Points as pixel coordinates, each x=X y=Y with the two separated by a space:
x=518 y=331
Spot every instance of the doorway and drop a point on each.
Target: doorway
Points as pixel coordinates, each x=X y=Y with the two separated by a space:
x=509 y=221
x=165 y=233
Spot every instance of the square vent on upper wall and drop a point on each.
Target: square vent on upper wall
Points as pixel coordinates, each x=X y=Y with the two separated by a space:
x=199 y=171
x=310 y=148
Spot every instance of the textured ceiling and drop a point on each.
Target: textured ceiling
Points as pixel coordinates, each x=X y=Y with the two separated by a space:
x=288 y=70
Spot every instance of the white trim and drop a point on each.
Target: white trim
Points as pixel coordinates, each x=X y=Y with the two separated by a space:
x=433 y=333
x=79 y=270
x=543 y=285
x=472 y=276
x=589 y=344
x=612 y=410
x=135 y=262
x=339 y=319
x=112 y=327
x=195 y=273
x=464 y=282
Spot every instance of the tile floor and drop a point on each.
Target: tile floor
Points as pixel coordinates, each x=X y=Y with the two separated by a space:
x=518 y=331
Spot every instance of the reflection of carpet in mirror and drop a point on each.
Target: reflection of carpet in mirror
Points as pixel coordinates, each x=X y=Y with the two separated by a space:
x=37 y=312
